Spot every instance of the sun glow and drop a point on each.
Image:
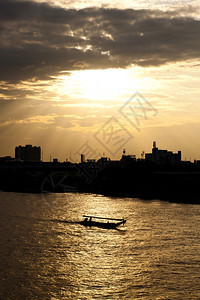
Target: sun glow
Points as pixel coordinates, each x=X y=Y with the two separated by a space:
x=110 y=84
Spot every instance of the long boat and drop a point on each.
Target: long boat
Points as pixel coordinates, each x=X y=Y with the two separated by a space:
x=102 y=222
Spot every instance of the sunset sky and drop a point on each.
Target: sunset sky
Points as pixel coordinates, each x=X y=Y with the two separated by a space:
x=98 y=77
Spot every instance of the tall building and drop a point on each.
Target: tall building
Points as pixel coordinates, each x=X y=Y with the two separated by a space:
x=28 y=153
x=163 y=156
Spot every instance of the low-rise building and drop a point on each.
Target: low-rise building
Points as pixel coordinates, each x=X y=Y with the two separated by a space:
x=163 y=156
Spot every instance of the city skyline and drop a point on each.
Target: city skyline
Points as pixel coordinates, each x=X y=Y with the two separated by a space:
x=72 y=74
x=34 y=153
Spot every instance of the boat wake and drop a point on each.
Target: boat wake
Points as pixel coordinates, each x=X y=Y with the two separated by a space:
x=88 y=222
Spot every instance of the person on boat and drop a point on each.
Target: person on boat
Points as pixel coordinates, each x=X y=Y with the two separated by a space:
x=85 y=220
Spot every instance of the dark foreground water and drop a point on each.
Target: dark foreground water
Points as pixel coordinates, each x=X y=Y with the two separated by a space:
x=155 y=256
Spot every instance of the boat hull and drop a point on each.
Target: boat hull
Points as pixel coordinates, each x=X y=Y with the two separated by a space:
x=107 y=225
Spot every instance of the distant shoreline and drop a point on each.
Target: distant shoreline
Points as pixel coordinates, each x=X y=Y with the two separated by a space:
x=178 y=183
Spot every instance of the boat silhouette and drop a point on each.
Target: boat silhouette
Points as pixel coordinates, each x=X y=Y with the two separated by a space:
x=102 y=222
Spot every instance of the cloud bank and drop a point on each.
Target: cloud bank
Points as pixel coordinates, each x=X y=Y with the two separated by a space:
x=39 y=41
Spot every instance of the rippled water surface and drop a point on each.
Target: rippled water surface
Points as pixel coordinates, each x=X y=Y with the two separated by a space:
x=155 y=256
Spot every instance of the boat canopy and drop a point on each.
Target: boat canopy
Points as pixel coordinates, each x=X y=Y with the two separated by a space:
x=103 y=218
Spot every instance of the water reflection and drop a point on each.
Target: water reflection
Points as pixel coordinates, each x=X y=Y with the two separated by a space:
x=156 y=256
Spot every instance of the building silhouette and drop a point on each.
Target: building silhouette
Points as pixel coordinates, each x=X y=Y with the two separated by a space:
x=163 y=156
x=28 y=153
x=127 y=158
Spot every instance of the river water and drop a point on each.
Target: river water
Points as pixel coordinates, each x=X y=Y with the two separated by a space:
x=156 y=255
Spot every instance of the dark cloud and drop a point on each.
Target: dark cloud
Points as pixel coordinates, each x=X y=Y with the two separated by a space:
x=39 y=40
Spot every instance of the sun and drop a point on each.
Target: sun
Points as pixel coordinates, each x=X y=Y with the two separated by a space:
x=109 y=84
x=103 y=84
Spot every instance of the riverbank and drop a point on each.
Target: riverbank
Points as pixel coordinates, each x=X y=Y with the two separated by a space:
x=133 y=181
